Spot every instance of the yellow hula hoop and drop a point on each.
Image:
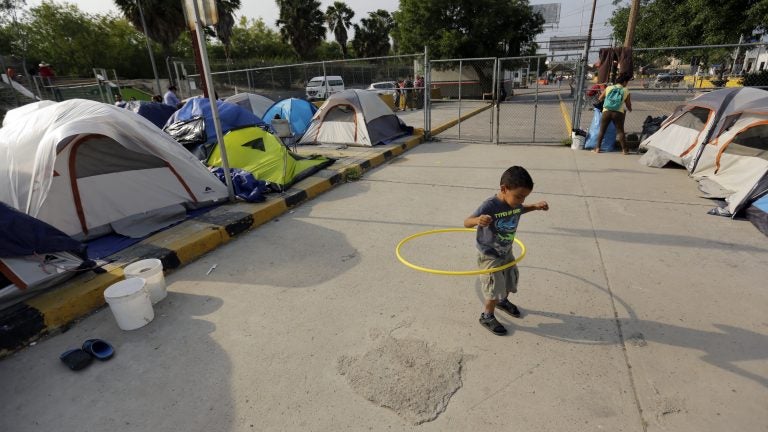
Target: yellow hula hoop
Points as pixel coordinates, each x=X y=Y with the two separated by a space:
x=454 y=273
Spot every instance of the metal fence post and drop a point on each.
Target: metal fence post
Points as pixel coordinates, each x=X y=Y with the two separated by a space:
x=494 y=96
x=536 y=98
x=425 y=102
x=498 y=103
x=461 y=62
x=325 y=80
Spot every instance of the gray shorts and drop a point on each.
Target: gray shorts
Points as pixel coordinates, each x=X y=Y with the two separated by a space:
x=496 y=286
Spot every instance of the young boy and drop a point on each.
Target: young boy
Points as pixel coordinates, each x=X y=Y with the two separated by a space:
x=497 y=219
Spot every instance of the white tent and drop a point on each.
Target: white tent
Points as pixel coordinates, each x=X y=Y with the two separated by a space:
x=354 y=117
x=254 y=103
x=88 y=168
x=16 y=114
x=734 y=165
x=694 y=124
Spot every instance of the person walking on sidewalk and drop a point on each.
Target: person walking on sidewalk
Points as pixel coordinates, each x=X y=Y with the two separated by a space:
x=496 y=220
x=614 y=99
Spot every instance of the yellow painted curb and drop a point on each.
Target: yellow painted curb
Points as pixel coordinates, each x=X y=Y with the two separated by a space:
x=566 y=116
x=452 y=123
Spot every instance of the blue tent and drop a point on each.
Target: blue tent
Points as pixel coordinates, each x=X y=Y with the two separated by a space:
x=192 y=124
x=155 y=112
x=298 y=112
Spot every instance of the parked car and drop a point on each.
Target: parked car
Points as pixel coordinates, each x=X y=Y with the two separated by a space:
x=670 y=77
x=383 y=87
x=318 y=88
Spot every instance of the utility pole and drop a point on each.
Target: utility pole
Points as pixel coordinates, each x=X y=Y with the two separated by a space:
x=630 y=36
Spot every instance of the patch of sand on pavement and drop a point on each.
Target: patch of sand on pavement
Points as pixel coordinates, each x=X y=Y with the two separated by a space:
x=409 y=376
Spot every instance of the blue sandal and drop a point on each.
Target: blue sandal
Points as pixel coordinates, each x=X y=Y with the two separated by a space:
x=98 y=348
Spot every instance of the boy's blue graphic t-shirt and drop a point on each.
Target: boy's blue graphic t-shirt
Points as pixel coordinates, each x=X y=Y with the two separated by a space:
x=496 y=239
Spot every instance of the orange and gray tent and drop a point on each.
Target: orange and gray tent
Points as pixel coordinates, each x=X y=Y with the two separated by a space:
x=682 y=135
x=722 y=140
x=355 y=117
x=734 y=164
x=88 y=169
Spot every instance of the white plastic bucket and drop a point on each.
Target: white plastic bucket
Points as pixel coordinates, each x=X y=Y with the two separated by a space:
x=130 y=304
x=151 y=270
x=577 y=141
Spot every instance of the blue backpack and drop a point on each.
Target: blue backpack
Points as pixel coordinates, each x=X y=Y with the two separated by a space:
x=614 y=99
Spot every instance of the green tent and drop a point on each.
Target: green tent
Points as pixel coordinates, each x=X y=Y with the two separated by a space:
x=264 y=155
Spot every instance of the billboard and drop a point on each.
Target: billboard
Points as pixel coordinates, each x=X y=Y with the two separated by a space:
x=550 y=12
x=567 y=43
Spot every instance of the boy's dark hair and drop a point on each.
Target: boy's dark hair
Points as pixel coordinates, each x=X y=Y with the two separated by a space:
x=515 y=177
x=624 y=78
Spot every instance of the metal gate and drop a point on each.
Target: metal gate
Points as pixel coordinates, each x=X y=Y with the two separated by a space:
x=462 y=93
x=504 y=100
x=537 y=98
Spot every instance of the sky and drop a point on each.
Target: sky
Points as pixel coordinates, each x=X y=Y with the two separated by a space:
x=574 y=14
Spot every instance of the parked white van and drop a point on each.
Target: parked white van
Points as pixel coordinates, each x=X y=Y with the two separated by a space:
x=318 y=88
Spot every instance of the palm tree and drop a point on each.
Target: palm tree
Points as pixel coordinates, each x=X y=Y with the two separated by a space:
x=339 y=17
x=226 y=10
x=301 y=25
x=372 y=35
x=165 y=19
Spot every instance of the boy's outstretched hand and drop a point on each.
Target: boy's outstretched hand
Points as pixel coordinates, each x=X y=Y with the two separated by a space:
x=541 y=205
x=484 y=220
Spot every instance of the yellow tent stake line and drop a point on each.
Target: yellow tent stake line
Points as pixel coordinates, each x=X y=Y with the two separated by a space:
x=454 y=273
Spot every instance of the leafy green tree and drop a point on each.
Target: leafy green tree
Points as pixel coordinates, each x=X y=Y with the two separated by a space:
x=252 y=39
x=465 y=28
x=301 y=25
x=372 y=35
x=339 y=18
x=690 y=22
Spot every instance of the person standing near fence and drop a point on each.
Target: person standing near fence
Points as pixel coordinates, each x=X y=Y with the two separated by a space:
x=419 y=90
x=614 y=99
x=408 y=93
x=48 y=77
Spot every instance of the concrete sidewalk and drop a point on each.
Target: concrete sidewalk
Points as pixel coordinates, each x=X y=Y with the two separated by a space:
x=641 y=313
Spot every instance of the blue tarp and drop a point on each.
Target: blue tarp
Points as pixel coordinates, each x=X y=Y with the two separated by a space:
x=155 y=112
x=298 y=112
x=231 y=115
x=23 y=235
x=609 y=140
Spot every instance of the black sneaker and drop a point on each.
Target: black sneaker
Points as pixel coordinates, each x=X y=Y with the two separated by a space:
x=492 y=325
x=508 y=307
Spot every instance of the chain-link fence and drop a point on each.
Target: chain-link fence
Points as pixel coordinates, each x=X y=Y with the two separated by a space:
x=537 y=98
x=306 y=80
x=461 y=87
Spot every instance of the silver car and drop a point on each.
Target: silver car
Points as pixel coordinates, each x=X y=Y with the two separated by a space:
x=383 y=87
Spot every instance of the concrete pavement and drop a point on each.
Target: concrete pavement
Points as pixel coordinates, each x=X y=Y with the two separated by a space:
x=641 y=312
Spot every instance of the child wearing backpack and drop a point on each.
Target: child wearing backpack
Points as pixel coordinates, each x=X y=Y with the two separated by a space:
x=614 y=99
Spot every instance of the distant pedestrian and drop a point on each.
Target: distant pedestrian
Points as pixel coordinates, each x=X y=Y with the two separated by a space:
x=170 y=98
x=497 y=220
x=419 y=91
x=48 y=77
x=406 y=101
x=119 y=102
x=398 y=94
x=614 y=98
x=157 y=98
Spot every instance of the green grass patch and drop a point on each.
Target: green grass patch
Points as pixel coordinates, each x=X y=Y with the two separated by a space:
x=129 y=92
